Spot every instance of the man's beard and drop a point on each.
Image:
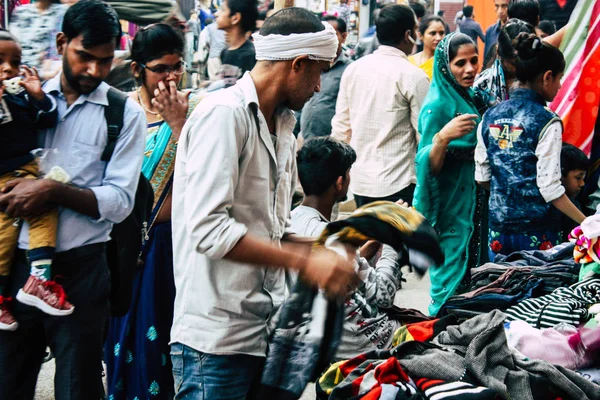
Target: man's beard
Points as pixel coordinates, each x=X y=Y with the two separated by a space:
x=74 y=82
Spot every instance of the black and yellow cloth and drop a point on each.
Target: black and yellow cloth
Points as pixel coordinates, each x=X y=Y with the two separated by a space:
x=310 y=327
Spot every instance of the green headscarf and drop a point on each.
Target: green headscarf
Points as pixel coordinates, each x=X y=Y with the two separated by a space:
x=447 y=199
x=445 y=99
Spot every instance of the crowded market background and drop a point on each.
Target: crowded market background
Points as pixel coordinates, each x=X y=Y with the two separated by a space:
x=300 y=199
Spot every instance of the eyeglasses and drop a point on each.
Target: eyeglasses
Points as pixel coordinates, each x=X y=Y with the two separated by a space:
x=177 y=69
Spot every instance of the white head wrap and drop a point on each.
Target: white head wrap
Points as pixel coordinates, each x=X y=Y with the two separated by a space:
x=319 y=46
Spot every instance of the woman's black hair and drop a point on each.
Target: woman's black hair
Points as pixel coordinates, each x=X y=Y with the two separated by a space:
x=508 y=33
x=534 y=57
x=459 y=39
x=428 y=20
x=156 y=41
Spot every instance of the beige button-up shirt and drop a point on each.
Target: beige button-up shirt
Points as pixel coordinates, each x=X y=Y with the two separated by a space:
x=230 y=179
x=377 y=113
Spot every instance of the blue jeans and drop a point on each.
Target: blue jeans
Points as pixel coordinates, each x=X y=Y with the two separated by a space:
x=200 y=376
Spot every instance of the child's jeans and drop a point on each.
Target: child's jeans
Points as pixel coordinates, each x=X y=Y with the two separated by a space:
x=42 y=229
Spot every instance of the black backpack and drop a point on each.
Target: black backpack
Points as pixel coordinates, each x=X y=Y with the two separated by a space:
x=124 y=250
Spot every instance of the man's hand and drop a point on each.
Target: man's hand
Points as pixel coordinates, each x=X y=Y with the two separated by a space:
x=403 y=203
x=331 y=272
x=369 y=249
x=22 y=198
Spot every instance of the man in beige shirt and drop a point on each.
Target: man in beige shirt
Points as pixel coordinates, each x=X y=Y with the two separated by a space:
x=378 y=109
x=235 y=174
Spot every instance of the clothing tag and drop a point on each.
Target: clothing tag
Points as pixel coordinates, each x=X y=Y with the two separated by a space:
x=5 y=115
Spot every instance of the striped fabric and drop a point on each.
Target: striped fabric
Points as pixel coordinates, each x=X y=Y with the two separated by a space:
x=435 y=389
x=577 y=102
x=566 y=304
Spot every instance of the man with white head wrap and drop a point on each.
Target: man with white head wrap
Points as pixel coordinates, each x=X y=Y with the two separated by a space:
x=234 y=178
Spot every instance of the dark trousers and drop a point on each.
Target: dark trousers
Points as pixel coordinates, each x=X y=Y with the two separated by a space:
x=75 y=340
x=405 y=194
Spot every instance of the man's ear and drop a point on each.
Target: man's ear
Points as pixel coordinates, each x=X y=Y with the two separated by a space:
x=344 y=37
x=61 y=43
x=236 y=18
x=299 y=62
x=339 y=183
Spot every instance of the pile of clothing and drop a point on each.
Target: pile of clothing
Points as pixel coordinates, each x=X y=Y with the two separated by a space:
x=472 y=360
x=309 y=326
x=565 y=305
x=512 y=279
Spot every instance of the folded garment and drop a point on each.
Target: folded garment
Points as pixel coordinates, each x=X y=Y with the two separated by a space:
x=486 y=302
x=558 y=275
x=571 y=348
x=565 y=305
x=563 y=253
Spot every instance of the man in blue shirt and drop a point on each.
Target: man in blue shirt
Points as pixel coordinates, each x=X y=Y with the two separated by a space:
x=491 y=35
x=99 y=195
x=469 y=27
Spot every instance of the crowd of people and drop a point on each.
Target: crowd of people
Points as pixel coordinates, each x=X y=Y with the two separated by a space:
x=456 y=153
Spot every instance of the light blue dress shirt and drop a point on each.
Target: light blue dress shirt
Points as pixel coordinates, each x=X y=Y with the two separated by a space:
x=76 y=144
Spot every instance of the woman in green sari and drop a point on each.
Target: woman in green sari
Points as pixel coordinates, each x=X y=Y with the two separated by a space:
x=446 y=192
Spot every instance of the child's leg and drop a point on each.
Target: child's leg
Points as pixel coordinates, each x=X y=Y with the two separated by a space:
x=39 y=290
x=42 y=232
x=9 y=233
x=42 y=244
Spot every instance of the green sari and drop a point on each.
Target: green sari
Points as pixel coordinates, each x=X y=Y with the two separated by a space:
x=448 y=200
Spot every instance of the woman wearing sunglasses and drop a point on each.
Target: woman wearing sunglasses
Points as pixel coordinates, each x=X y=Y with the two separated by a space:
x=137 y=350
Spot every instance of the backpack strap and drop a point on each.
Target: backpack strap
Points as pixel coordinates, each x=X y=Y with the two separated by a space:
x=114 y=114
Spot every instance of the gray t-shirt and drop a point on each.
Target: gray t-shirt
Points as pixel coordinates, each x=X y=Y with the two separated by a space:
x=366 y=326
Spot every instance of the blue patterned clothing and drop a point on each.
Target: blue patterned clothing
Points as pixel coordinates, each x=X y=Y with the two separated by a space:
x=519 y=160
x=137 y=351
x=137 y=348
x=502 y=243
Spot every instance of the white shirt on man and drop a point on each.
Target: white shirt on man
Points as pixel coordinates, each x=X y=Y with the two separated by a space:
x=230 y=180
x=377 y=113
